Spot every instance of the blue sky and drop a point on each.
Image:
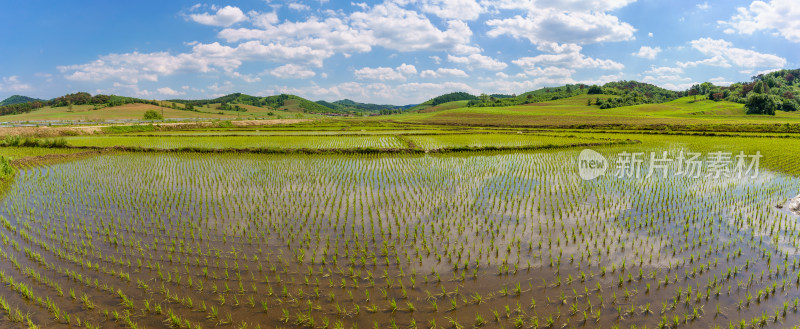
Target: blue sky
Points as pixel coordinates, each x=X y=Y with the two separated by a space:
x=392 y=51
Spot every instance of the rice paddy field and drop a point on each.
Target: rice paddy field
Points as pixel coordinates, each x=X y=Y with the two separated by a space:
x=505 y=234
x=331 y=142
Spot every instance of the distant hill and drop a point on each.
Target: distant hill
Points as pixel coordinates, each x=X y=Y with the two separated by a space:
x=76 y=99
x=446 y=98
x=350 y=105
x=18 y=99
x=451 y=97
x=535 y=96
x=278 y=102
x=626 y=92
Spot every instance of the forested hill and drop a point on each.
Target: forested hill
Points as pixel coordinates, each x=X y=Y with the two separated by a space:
x=79 y=98
x=18 y=99
x=353 y=106
x=282 y=101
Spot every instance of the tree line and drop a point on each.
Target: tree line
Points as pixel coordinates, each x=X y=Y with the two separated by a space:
x=764 y=94
x=69 y=100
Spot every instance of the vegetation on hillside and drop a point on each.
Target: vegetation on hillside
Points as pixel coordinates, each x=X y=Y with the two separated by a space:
x=80 y=98
x=536 y=96
x=18 y=99
x=277 y=102
x=451 y=97
x=152 y=115
x=765 y=94
x=634 y=93
x=356 y=107
x=446 y=98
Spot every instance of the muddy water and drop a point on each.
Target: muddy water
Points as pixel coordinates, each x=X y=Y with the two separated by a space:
x=341 y=238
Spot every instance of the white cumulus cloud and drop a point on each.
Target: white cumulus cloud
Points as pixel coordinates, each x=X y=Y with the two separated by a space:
x=647 y=52
x=225 y=16
x=292 y=71
x=386 y=73
x=782 y=16
x=444 y=72
x=452 y=9
x=299 y=6
x=13 y=84
x=567 y=57
x=555 y=25
x=723 y=54
x=478 y=61
x=168 y=91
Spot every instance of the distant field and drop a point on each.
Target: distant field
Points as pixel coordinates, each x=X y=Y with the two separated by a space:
x=574 y=111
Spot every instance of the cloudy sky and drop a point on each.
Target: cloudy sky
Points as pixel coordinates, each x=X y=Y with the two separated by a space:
x=392 y=51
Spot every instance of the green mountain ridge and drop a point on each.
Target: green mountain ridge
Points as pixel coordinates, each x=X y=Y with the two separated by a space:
x=350 y=105
x=19 y=99
x=277 y=102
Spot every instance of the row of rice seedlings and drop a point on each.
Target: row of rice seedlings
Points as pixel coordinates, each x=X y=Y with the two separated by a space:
x=38 y=278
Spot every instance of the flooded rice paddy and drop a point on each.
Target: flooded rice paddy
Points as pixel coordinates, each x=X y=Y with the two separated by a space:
x=478 y=239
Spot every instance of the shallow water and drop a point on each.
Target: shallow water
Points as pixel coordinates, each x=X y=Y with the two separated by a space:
x=367 y=224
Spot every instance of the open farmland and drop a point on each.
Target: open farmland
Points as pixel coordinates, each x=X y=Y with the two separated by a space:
x=573 y=111
x=464 y=239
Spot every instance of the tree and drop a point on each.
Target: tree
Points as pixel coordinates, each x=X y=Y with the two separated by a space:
x=762 y=104
x=595 y=89
x=746 y=89
x=694 y=92
x=152 y=115
x=705 y=88
x=789 y=105
x=760 y=88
